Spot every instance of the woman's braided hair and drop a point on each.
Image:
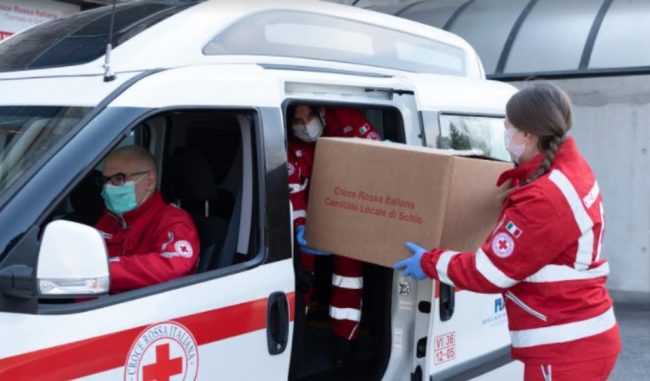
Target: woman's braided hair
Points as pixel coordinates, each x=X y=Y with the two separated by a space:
x=543 y=110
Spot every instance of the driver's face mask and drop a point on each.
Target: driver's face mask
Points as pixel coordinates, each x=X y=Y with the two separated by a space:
x=310 y=132
x=120 y=199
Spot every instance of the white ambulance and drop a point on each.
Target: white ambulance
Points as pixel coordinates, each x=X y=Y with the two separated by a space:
x=205 y=86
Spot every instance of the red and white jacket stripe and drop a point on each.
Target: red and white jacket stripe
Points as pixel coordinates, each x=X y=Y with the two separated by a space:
x=544 y=255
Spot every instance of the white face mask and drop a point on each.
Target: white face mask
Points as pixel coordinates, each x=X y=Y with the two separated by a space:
x=309 y=133
x=515 y=149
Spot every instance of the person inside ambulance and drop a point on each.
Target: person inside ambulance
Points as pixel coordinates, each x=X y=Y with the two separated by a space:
x=148 y=241
x=307 y=125
x=544 y=255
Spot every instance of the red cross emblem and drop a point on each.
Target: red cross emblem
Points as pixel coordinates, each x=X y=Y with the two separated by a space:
x=183 y=248
x=164 y=367
x=503 y=245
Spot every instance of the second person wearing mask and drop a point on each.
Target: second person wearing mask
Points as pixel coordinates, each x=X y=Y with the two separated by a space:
x=308 y=123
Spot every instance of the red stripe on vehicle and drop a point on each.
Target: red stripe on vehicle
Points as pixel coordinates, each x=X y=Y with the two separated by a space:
x=102 y=353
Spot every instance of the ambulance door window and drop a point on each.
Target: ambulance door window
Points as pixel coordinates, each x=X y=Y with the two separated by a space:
x=206 y=166
x=481 y=135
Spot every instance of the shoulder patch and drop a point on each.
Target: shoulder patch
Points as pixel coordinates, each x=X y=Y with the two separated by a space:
x=373 y=136
x=183 y=249
x=514 y=229
x=503 y=245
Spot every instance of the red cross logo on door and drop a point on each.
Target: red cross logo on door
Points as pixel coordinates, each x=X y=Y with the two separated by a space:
x=164 y=367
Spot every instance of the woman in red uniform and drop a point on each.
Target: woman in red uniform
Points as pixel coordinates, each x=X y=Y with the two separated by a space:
x=544 y=255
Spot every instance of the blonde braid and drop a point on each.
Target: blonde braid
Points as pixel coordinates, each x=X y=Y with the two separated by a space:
x=553 y=146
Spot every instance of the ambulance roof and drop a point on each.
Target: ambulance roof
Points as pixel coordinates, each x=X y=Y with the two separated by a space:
x=287 y=33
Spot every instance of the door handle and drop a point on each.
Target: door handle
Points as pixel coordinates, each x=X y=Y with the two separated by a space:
x=277 y=323
x=447 y=301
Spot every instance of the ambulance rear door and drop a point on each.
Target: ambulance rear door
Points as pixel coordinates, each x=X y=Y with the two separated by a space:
x=389 y=103
x=460 y=334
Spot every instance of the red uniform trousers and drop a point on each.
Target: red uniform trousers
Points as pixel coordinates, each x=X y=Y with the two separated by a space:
x=347 y=293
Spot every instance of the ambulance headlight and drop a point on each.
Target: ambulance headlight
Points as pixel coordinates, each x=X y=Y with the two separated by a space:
x=72 y=261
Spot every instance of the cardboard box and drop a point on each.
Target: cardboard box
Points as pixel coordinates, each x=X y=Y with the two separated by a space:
x=368 y=198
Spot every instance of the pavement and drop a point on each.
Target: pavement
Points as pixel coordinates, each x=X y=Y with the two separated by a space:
x=634 y=361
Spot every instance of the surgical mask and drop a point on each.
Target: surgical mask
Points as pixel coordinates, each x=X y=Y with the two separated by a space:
x=309 y=133
x=120 y=199
x=515 y=150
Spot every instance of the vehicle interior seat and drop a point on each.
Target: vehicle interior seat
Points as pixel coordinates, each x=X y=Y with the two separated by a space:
x=191 y=184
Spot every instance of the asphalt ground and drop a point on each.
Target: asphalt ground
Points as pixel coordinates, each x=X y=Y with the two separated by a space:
x=634 y=361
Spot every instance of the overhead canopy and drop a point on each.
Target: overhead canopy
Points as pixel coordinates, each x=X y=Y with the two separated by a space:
x=524 y=38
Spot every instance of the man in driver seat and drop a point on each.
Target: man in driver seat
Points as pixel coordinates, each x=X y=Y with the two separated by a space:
x=148 y=240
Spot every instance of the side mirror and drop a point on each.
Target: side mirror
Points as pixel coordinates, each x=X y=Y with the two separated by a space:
x=72 y=261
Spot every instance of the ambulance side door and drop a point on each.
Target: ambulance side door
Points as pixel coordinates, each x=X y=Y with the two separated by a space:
x=232 y=319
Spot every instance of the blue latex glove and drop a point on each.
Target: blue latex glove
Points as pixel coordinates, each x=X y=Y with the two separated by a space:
x=300 y=237
x=411 y=266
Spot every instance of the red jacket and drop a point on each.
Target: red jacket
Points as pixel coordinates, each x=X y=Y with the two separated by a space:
x=152 y=244
x=544 y=256
x=347 y=122
x=299 y=161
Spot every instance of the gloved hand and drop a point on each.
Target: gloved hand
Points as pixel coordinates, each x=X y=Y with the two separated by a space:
x=412 y=265
x=300 y=237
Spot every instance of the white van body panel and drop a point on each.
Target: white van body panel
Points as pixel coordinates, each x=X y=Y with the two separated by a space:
x=62 y=329
x=83 y=91
x=464 y=95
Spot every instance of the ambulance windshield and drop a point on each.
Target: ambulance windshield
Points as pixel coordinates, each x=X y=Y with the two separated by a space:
x=481 y=135
x=28 y=134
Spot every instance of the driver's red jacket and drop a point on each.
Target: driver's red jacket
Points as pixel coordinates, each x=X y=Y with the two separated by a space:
x=154 y=243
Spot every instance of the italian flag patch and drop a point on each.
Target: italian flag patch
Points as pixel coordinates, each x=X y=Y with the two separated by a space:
x=513 y=229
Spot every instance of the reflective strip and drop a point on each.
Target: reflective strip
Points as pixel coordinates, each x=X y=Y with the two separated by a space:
x=298 y=213
x=548 y=375
x=295 y=188
x=592 y=196
x=602 y=231
x=564 y=332
x=525 y=306
x=352 y=283
x=585 y=224
x=559 y=273
x=351 y=335
x=495 y=276
x=173 y=254
x=442 y=267
x=345 y=313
